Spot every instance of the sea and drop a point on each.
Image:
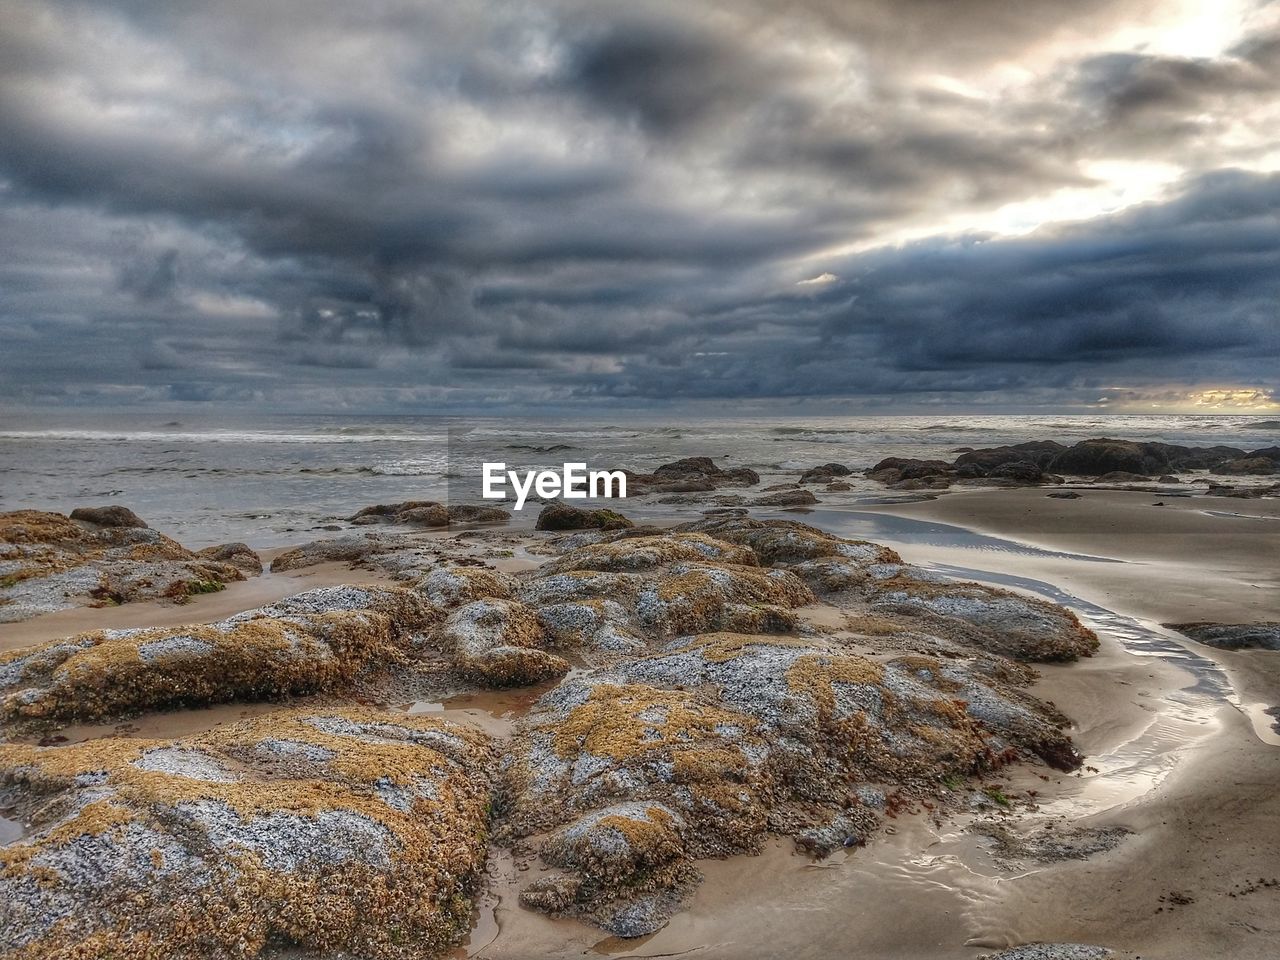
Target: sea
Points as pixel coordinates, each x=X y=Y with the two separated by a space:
x=277 y=479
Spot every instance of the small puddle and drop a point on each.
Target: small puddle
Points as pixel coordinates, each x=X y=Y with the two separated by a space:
x=11 y=830
x=493 y=711
x=500 y=885
x=1266 y=721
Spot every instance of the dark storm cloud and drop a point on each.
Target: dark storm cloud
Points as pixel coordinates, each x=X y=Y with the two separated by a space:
x=557 y=201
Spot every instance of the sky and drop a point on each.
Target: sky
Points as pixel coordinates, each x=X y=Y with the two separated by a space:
x=838 y=205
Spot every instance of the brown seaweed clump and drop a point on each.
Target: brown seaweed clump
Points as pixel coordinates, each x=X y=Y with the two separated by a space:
x=343 y=831
x=50 y=562
x=313 y=641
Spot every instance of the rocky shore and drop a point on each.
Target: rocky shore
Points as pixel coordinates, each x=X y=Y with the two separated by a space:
x=698 y=690
x=1102 y=460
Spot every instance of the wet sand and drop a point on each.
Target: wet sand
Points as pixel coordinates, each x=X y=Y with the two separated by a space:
x=1168 y=727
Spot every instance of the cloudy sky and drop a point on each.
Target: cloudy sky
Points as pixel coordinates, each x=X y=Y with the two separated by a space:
x=424 y=205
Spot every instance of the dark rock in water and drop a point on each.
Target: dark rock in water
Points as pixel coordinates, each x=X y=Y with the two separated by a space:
x=1020 y=470
x=910 y=468
x=239 y=555
x=1243 y=493
x=1101 y=456
x=1093 y=458
x=1247 y=466
x=1232 y=636
x=422 y=513
x=108 y=516
x=690 y=475
x=787 y=498
x=779 y=486
x=1271 y=453
x=1169 y=478
x=824 y=473
x=561 y=516
x=1064 y=495
x=428 y=513
x=1039 y=452
x=1197 y=458
x=838 y=487
x=706 y=467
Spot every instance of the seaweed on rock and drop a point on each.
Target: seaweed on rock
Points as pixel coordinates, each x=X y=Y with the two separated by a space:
x=344 y=831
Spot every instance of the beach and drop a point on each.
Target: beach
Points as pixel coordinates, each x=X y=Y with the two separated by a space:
x=1159 y=844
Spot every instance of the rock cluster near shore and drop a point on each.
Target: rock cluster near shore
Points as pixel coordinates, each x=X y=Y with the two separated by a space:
x=1047 y=461
x=689 y=475
x=427 y=513
x=706 y=708
x=103 y=556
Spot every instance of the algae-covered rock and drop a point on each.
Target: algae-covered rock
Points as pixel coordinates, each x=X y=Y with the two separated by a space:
x=1024 y=628
x=337 y=832
x=239 y=555
x=697 y=597
x=50 y=562
x=452 y=586
x=400 y=555
x=499 y=643
x=785 y=542
x=1233 y=636
x=313 y=641
x=561 y=516
x=703 y=749
x=644 y=553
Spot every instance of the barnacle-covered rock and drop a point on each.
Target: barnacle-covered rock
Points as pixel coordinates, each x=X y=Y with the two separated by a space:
x=312 y=641
x=632 y=554
x=1024 y=628
x=50 y=562
x=660 y=595
x=786 y=542
x=391 y=553
x=637 y=845
x=697 y=597
x=452 y=586
x=107 y=673
x=499 y=643
x=338 y=832
x=706 y=747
